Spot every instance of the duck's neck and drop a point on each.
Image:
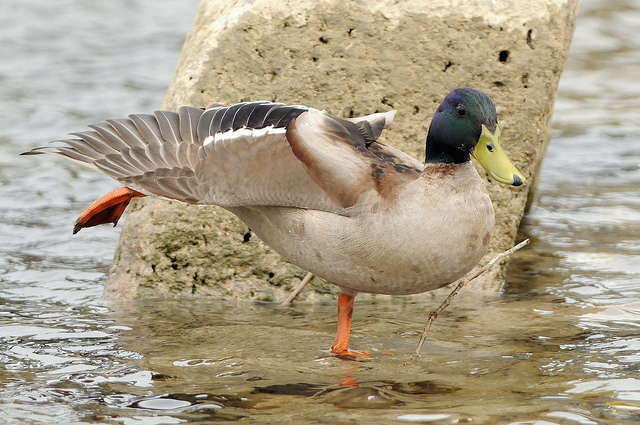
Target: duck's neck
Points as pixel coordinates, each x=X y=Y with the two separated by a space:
x=440 y=153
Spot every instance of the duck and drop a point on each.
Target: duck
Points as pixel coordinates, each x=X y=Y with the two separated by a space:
x=321 y=190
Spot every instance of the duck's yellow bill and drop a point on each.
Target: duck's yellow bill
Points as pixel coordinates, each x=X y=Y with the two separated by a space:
x=490 y=155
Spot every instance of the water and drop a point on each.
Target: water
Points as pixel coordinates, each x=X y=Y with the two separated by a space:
x=558 y=345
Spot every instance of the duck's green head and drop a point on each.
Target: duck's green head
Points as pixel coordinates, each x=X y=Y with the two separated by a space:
x=466 y=124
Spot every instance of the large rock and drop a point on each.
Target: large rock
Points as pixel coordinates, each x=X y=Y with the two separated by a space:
x=350 y=57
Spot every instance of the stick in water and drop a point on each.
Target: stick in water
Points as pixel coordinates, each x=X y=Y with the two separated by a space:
x=434 y=314
x=295 y=292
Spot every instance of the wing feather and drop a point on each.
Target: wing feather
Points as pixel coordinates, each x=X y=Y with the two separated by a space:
x=169 y=123
x=127 y=131
x=110 y=136
x=254 y=153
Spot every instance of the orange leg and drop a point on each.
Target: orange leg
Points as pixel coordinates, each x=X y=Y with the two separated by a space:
x=108 y=209
x=340 y=347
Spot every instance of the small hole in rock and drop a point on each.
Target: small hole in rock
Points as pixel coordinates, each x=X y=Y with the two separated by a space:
x=387 y=102
x=503 y=56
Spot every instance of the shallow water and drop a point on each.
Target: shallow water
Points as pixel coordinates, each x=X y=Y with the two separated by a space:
x=558 y=345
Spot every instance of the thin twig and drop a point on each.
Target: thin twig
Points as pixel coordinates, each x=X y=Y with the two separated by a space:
x=295 y=292
x=434 y=314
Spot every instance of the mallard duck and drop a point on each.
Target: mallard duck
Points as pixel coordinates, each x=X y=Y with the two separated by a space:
x=320 y=190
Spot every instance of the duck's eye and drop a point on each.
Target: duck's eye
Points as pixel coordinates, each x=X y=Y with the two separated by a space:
x=489 y=147
x=461 y=110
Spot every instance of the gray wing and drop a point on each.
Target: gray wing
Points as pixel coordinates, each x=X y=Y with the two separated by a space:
x=229 y=156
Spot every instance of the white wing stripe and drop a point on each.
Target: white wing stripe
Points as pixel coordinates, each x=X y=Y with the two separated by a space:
x=231 y=142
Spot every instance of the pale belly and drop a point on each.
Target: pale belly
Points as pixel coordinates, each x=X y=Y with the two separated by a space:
x=389 y=252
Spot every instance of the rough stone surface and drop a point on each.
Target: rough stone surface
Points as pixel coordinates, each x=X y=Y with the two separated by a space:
x=350 y=57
